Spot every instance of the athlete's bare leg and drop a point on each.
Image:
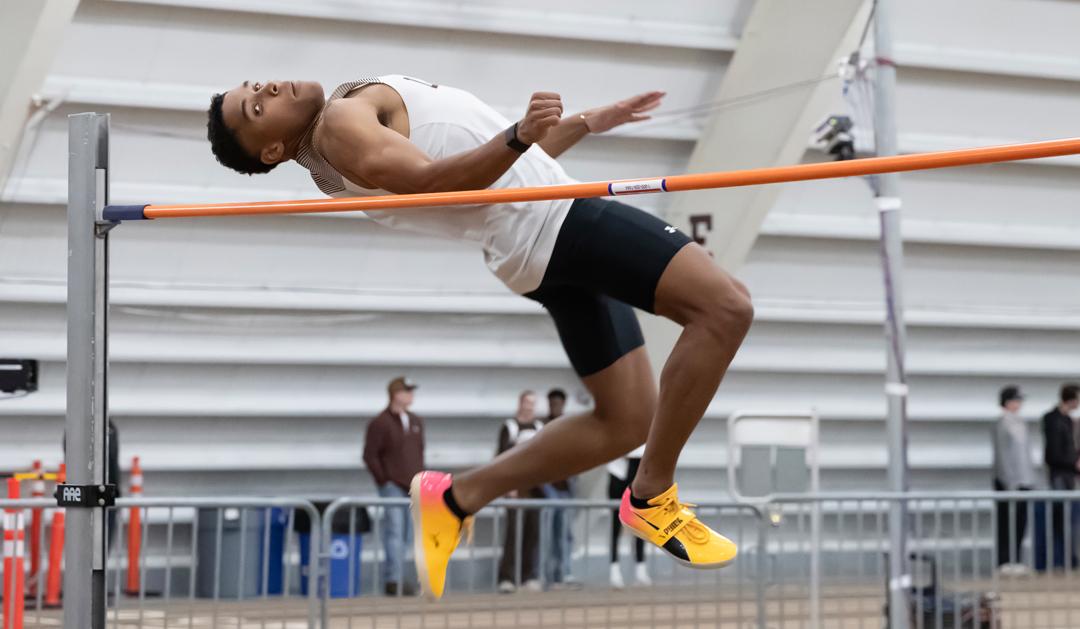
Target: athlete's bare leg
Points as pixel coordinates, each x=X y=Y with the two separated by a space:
x=715 y=312
x=625 y=402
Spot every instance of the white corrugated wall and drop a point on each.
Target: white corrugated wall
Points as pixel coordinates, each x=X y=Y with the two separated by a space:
x=247 y=353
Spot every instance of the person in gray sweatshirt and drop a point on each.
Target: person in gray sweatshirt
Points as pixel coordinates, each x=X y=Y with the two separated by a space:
x=1014 y=470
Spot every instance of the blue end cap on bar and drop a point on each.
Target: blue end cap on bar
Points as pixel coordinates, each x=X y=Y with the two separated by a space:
x=124 y=212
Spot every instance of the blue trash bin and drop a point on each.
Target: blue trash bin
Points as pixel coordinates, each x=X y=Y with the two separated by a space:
x=275 y=550
x=342 y=547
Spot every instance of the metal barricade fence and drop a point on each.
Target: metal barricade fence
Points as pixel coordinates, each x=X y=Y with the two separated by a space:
x=354 y=571
x=979 y=560
x=212 y=562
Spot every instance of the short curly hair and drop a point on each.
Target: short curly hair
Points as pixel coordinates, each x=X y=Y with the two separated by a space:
x=225 y=145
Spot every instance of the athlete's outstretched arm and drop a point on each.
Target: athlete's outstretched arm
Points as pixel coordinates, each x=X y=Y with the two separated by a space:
x=572 y=128
x=356 y=144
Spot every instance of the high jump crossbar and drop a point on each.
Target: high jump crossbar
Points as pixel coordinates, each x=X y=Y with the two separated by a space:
x=675 y=183
x=91 y=217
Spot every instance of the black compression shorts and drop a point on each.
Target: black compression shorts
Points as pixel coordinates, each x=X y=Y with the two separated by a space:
x=607 y=260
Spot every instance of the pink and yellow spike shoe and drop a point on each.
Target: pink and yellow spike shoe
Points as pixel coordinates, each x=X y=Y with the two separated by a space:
x=436 y=530
x=672 y=526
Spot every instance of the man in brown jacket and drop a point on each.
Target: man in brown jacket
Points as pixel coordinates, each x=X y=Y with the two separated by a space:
x=393 y=453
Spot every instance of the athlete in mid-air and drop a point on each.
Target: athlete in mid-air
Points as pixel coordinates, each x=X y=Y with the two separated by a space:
x=589 y=262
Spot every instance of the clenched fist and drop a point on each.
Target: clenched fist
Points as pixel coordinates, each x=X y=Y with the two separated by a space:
x=545 y=111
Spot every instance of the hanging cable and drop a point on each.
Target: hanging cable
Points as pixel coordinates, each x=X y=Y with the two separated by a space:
x=711 y=106
x=866 y=26
x=856 y=72
x=29 y=141
x=672 y=116
x=658 y=119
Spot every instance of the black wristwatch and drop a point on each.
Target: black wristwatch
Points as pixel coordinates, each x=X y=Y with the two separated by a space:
x=512 y=139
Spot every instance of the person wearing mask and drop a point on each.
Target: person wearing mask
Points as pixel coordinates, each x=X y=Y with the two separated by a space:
x=557 y=566
x=394 y=453
x=621 y=473
x=522 y=427
x=1014 y=470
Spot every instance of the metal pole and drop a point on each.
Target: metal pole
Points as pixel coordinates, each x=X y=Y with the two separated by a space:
x=84 y=545
x=814 y=450
x=892 y=262
x=315 y=582
x=762 y=566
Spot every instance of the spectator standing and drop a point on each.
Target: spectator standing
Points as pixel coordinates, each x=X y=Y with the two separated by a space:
x=557 y=566
x=394 y=453
x=1014 y=470
x=519 y=429
x=621 y=474
x=1076 y=441
x=1062 y=460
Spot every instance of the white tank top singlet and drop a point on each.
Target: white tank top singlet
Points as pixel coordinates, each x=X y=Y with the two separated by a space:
x=517 y=238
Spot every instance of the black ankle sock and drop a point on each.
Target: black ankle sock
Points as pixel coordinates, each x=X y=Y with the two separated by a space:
x=452 y=505
x=638 y=503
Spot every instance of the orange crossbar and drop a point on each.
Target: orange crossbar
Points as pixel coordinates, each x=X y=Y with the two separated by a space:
x=676 y=183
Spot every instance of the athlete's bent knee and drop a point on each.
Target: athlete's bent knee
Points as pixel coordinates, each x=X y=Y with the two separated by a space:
x=741 y=310
x=727 y=310
x=739 y=286
x=630 y=424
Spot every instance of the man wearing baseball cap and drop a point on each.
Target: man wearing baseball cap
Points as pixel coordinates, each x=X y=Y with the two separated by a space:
x=394 y=453
x=1014 y=470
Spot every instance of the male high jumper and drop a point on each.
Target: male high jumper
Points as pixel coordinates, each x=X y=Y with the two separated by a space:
x=589 y=262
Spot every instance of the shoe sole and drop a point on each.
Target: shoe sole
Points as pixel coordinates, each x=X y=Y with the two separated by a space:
x=418 y=540
x=689 y=564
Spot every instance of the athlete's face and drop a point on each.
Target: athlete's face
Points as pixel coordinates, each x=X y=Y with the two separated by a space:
x=266 y=115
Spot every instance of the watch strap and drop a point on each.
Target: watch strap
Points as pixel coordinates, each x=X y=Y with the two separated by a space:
x=512 y=139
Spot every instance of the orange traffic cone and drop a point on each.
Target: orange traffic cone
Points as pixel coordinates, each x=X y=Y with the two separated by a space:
x=134 y=531
x=37 y=490
x=56 y=551
x=14 y=539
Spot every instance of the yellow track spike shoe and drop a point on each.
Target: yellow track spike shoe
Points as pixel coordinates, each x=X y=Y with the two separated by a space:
x=436 y=530
x=672 y=526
